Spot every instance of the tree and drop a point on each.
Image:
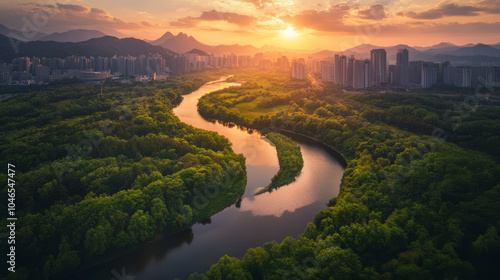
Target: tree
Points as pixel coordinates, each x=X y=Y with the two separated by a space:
x=255 y=260
x=228 y=268
x=159 y=212
x=336 y=263
x=97 y=239
x=141 y=226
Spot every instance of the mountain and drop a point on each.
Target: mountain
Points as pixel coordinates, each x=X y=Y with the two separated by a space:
x=324 y=54
x=472 y=60
x=31 y=35
x=104 y=46
x=76 y=35
x=361 y=49
x=441 y=45
x=168 y=35
x=413 y=53
x=363 y=52
x=198 y=52
x=181 y=43
x=479 y=49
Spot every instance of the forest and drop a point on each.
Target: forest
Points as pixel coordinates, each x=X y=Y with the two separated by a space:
x=102 y=169
x=419 y=198
x=289 y=158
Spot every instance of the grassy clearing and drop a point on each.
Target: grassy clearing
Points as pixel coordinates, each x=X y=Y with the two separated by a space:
x=252 y=110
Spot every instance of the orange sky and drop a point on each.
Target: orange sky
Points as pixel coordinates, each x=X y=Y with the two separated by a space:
x=333 y=25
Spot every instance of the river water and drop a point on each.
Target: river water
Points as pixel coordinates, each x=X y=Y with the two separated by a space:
x=259 y=219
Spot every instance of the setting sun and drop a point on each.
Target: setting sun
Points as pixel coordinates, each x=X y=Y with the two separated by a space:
x=289 y=33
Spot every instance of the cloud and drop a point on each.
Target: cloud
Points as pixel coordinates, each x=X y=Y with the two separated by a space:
x=98 y=11
x=71 y=7
x=213 y=15
x=147 y=23
x=259 y=3
x=375 y=12
x=445 y=9
x=491 y=6
x=327 y=20
x=71 y=16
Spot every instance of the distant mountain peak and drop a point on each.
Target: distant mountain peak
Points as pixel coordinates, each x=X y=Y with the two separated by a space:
x=444 y=44
x=167 y=35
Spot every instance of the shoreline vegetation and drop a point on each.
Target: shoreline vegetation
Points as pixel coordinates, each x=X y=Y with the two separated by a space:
x=290 y=161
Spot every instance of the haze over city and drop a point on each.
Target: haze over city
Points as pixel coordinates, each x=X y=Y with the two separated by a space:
x=333 y=25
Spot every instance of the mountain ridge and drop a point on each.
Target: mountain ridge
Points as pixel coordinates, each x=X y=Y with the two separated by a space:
x=74 y=35
x=104 y=46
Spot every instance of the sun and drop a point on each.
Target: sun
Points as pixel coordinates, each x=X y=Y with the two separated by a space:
x=289 y=33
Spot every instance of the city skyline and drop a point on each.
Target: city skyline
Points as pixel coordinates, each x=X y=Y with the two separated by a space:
x=334 y=25
x=344 y=71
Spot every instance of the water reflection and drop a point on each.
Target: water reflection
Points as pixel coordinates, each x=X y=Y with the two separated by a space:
x=253 y=221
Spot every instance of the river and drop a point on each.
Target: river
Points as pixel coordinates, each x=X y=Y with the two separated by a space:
x=259 y=219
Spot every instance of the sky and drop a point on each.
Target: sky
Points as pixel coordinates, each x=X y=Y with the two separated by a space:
x=294 y=24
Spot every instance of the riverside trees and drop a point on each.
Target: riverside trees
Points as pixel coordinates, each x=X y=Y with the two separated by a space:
x=102 y=172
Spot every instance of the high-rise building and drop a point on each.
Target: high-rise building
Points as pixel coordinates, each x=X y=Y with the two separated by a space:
x=340 y=72
x=457 y=76
x=391 y=75
x=429 y=76
x=350 y=71
x=327 y=70
x=298 y=69
x=362 y=74
x=21 y=64
x=378 y=60
x=402 y=67
x=415 y=72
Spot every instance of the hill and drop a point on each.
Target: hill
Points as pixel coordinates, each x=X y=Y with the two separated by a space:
x=479 y=49
x=104 y=46
x=180 y=43
x=198 y=52
x=76 y=35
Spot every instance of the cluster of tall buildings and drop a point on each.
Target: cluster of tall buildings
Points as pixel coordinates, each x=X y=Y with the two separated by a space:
x=375 y=72
x=348 y=72
x=27 y=70
x=189 y=62
x=363 y=73
x=340 y=69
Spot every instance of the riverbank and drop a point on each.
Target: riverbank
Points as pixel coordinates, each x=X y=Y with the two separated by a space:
x=331 y=150
x=290 y=161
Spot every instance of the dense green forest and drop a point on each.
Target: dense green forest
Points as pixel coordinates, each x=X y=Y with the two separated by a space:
x=101 y=169
x=289 y=158
x=420 y=197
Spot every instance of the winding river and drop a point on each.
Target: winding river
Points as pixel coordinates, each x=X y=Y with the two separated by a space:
x=259 y=219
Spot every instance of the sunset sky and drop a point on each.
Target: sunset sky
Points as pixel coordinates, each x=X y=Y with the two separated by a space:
x=299 y=24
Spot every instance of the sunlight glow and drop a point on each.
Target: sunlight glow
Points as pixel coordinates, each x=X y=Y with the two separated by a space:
x=289 y=33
